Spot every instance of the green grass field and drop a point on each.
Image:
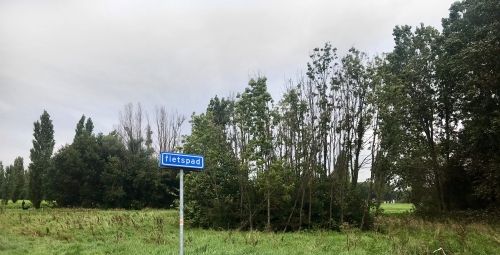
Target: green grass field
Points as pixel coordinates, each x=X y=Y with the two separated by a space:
x=397 y=208
x=81 y=231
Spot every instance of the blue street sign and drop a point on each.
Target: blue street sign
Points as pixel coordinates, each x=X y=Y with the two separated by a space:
x=181 y=161
x=184 y=161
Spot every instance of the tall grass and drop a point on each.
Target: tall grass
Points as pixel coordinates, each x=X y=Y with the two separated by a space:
x=92 y=231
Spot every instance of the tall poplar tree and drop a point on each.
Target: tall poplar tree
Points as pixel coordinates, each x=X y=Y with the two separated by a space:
x=10 y=182
x=18 y=179
x=43 y=146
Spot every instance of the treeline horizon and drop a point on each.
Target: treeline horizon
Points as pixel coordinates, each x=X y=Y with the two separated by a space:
x=75 y=173
x=425 y=118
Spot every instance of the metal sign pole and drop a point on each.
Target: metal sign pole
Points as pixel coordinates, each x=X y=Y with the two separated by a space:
x=181 y=213
x=174 y=161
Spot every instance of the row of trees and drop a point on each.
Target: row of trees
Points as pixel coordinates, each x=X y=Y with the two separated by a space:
x=292 y=164
x=440 y=108
x=15 y=182
x=12 y=181
x=424 y=118
x=119 y=169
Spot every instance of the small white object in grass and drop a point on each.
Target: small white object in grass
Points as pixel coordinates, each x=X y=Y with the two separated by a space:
x=440 y=249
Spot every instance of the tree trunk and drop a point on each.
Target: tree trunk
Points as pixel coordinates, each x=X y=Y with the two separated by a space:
x=310 y=202
x=268 y=227
x=301 y=207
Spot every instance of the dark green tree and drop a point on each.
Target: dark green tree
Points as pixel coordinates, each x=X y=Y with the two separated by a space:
x=413 y=90
x=212 y=195
x=64 y=181
x=9 y=183
x=75 y=178
x=260 y=143
x=112 y=150
x=89 y=172
x=470 y=68
x=40 y=154
x=17 y=180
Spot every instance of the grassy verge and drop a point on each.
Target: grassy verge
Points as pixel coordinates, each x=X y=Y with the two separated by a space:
x=81 y=231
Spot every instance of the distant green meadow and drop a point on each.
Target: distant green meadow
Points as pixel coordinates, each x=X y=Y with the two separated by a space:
x=397 y=208
x=152 y=231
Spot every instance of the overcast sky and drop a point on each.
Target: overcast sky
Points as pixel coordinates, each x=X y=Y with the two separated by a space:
x=93 y=57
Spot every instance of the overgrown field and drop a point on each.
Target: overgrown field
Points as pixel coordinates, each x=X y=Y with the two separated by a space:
x=81 y=231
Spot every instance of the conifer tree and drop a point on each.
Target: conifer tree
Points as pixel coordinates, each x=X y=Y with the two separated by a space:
x=43 y=146
x=18 y=179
